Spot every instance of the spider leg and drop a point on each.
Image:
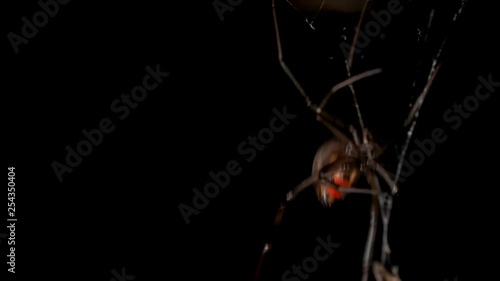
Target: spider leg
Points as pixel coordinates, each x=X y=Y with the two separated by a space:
x=292 y=194
x=335 y=131
x=356 y=36
x=349 y=63
x=375 y=208
x=412 y=117
x=348 y=82
x=354 y=135
x=279 y=215
x=326 y=119
x=303 y=185
x=386 y=177
x=284 y=66
x=434 y=68
x=321 y=114
x=420 y=100
x=385 y=201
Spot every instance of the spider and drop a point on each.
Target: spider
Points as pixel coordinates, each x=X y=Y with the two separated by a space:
x=352 y=154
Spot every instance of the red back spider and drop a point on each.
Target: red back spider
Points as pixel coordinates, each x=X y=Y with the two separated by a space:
x=351 y=154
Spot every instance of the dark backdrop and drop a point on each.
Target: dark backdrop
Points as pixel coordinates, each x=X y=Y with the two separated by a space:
x=120 y=206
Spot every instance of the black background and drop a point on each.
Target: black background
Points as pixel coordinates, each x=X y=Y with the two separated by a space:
x=119 y=207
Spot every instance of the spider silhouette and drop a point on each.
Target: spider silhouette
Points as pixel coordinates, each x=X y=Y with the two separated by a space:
x=352 y=154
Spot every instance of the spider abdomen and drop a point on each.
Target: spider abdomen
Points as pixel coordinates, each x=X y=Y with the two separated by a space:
x=336 y=164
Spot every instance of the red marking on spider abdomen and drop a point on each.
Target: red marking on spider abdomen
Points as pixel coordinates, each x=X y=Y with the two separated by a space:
x=334 y=193
x=341 y=180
